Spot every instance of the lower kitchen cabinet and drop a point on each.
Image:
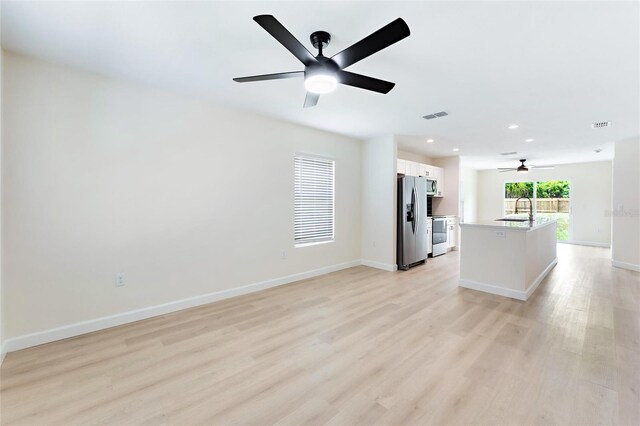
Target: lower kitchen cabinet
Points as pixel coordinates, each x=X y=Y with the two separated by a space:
x=452 y=233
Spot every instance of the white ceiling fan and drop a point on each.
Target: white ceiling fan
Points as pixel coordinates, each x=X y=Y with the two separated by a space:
x=522 y=168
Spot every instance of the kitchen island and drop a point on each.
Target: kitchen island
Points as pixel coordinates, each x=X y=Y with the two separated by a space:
x=507 y=258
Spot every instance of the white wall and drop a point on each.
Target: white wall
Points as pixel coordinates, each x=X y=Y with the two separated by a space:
x=449 y=204
x=379 y=202
x=418 y=158
x=590 y=196
x=625 y=250
x=468 y=194
x=186 y=198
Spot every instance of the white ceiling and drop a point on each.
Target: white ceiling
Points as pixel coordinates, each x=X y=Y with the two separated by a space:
x=551 y=67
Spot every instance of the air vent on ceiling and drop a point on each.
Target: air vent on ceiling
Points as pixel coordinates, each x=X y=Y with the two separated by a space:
x=508 y=153
x=600 y=124
x=435 y=115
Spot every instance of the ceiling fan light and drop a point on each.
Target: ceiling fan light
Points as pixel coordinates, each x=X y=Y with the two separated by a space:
x=522 y=169
x=320 y=83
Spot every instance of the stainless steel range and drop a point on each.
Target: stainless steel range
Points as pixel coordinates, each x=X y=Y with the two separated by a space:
x=439 y=234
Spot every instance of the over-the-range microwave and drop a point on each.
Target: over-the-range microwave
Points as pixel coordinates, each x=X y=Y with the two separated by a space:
x=432 y=186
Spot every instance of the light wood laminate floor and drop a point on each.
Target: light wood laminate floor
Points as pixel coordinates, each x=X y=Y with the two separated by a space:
x=359 y=346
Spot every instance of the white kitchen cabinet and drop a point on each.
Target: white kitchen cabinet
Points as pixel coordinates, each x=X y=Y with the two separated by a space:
x=411 y=168
x=439 y=175
x=402 y=167
x=452 y=232
x=429 y=171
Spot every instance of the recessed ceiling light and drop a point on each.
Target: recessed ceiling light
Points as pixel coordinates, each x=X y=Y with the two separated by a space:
x=456 y=149
x=529 y=140
x=513 y=126
x=429 y=140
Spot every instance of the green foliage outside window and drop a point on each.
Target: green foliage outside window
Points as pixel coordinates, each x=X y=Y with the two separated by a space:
x=546 y=189
x=553 y=189
x=518 y=189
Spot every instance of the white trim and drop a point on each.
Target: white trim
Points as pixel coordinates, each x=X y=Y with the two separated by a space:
x=489 y=288
x=540 y=277
x=314 y=243
x=82 y=327
x=625 y=265
x=379 y=265
x=507 y=292
x=585 y=243
x=2 y=353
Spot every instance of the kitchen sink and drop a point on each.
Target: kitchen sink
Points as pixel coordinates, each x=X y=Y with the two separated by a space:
x=513 y=219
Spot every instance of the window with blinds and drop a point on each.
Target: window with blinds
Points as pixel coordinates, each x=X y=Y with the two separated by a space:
x=314 y=200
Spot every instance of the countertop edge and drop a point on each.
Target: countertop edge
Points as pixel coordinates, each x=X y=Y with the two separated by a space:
x=505 y=227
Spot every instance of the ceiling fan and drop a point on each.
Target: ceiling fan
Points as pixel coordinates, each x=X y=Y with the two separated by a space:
x=523 y=169
x=322 y=74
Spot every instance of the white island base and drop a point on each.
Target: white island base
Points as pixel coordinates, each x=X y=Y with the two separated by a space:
x=507 y=258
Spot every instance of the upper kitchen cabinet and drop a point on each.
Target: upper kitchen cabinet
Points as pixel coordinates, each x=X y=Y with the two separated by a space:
x=411 y=168
x=429 y=171
x=408 y=168
x=402 y=167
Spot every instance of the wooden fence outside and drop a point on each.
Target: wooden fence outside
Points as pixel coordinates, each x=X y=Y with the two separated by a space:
x=544 y=205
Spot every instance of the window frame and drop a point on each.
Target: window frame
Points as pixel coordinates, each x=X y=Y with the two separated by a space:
x=307 y=156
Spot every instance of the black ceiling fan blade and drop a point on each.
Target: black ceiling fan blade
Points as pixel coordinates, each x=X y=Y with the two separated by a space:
x=280 y=33
x=506 y=170
x=384 y=37
x=364 y=82
x=276 y=76
x=311 y=100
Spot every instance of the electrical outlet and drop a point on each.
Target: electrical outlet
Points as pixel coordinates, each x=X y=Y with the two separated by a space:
x=119 y=279
x=283 y=254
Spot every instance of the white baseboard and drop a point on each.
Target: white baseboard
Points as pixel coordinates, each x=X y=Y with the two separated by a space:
x=379 y=265
x=625 y=265
x=83 y=327
x=540 y=277
x=489 y=288
x=586 y=243
x=507 y=292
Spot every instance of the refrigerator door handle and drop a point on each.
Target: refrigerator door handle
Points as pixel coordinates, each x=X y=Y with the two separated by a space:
x=413 y=210
x=417 y=209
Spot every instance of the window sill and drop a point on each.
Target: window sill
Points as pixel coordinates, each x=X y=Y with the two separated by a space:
x=315 y=243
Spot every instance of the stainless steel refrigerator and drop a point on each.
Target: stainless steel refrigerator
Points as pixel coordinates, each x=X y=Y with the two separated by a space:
x=412 y=221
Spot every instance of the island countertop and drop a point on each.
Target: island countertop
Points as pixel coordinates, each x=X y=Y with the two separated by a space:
x=538 y=222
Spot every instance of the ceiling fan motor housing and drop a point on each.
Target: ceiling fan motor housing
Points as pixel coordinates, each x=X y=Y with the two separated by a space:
x=323 y=66
x=320 y=39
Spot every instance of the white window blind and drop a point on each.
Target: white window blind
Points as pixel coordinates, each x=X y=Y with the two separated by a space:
x=314 y=200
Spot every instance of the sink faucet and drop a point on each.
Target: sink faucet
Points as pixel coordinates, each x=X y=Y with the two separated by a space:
x=530 y=208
